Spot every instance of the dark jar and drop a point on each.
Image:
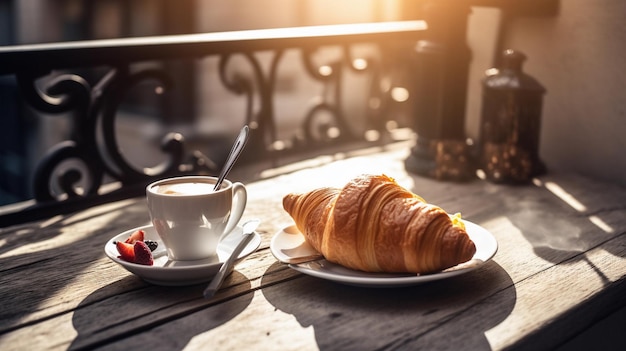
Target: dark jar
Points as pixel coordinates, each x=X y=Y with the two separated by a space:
x=510 y=122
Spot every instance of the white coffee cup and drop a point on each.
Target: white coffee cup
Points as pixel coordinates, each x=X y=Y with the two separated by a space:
x=190 y=217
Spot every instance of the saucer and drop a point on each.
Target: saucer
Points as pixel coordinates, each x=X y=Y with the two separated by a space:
x=177 y=273
x=289 y=246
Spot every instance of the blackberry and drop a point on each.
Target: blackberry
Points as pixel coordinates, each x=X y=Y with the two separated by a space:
x=151 y=244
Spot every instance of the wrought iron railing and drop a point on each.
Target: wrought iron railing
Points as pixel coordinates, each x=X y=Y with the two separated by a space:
x=93 y=144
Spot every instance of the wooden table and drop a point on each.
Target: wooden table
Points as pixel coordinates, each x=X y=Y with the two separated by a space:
x=559 y=270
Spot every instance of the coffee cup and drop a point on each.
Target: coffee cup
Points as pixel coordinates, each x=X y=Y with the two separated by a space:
x=190 y=217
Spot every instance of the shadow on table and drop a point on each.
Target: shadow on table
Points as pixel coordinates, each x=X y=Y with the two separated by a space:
x=561 y=215
x=150 y=317
x=446 y=314
x=562 y=220
x=44 y=259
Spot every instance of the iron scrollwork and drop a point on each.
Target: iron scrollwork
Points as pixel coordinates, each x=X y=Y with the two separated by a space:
x=72 y=172
x=319 y=131
x=262 y=122
x=325 y=122
x=75 y=173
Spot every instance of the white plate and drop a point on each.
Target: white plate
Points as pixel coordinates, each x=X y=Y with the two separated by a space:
x=289 y=246
x=166 y=272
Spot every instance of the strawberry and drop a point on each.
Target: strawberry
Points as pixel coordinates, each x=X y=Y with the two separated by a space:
x=137 y=235
x=127 y=252
x=143 y=255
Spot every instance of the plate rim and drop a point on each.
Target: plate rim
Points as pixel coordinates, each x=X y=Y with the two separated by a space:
x=487 y=252
x=151 y=273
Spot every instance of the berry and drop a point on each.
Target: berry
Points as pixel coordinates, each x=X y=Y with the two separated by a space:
x=127 y=252
x=137 y=235
x=143 y=255
x=151 y=244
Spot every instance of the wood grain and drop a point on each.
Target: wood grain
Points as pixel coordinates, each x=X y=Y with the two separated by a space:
x=560 y=268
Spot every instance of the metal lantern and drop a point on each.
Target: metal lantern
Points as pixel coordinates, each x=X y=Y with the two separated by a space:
x=510 y=122
x=442 y=61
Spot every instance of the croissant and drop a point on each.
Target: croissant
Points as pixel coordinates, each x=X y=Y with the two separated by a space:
x=375 y=225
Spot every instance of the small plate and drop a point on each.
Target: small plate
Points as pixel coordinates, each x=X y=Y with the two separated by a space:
x=289 y=246
x=176 y=273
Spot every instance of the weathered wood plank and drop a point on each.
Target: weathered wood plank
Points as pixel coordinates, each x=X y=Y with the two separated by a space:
x=561 y=266
x=430 y=316
x=328 y=301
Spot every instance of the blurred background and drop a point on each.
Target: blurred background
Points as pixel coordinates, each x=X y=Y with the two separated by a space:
x=575 y=51
x=199 y=107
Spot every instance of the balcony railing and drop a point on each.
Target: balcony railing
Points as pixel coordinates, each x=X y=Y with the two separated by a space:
x=89 y=168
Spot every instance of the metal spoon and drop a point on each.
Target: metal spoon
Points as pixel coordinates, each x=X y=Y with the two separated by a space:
x=235 y=151
x=248 y=234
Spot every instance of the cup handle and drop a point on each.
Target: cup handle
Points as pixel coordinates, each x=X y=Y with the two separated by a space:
x=240 y=199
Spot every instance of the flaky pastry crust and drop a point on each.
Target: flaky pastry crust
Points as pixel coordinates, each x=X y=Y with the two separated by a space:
x=375 y=225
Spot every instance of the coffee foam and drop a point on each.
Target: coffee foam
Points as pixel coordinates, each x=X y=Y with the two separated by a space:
x=189 y=188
